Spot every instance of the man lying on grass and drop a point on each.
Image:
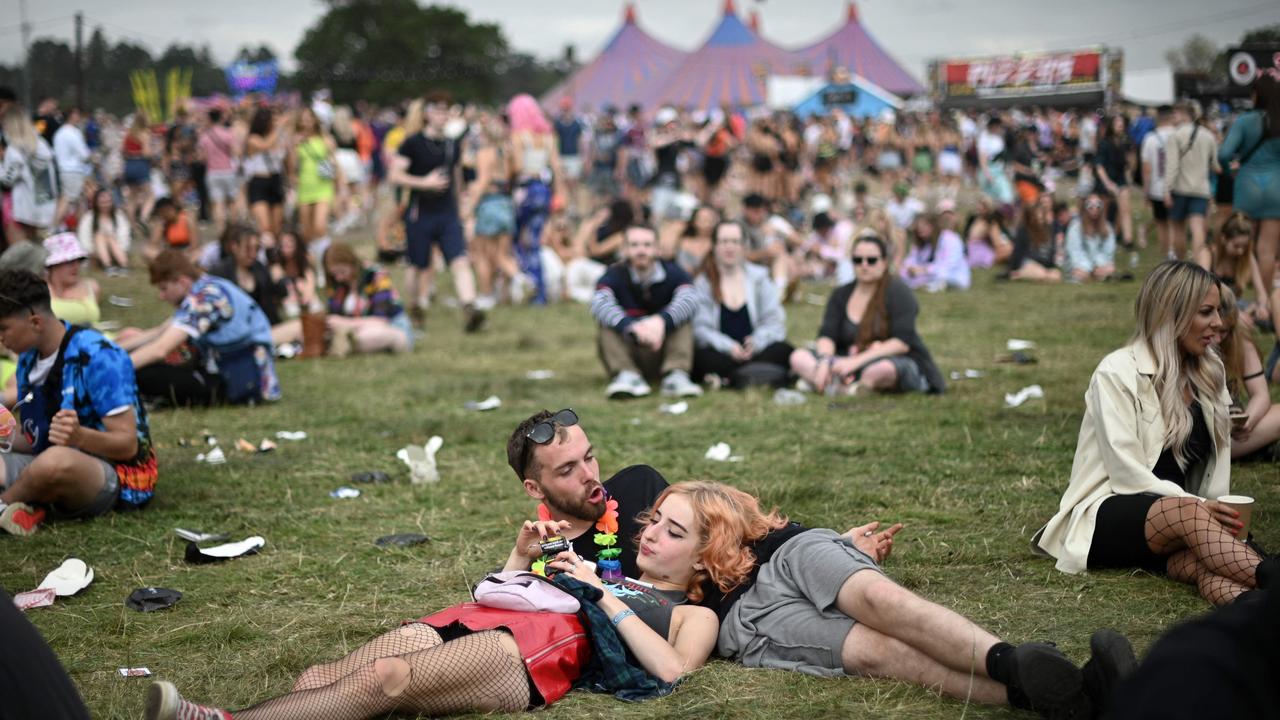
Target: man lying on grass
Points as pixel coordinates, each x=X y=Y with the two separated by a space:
x=807 y=605
x=85 y=446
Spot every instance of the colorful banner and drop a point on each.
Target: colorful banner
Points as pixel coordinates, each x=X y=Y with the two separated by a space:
x=260 y=77
x=1012 y=76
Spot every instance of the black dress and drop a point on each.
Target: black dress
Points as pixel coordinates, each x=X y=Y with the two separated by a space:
x=1119 y=531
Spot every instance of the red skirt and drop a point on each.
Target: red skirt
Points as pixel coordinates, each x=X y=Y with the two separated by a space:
x=554 y=646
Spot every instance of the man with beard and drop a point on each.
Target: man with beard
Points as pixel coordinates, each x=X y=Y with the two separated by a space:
x=807 y=607
x=555 y=461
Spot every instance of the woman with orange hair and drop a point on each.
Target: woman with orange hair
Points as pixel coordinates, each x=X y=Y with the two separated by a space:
x=472 y=658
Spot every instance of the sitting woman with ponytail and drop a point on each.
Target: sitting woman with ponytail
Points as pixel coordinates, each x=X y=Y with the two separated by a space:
x=1155 y=450
x=473 y=658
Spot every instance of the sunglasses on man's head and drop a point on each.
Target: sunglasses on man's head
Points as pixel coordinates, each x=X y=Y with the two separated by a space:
x=869 y=260
x=543 y=431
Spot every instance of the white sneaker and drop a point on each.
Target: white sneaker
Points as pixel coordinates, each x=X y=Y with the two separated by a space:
x=678 y=384
x=627 y=384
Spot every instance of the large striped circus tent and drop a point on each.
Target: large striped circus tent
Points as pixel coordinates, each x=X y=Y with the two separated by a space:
x=854 y=49
x=627 y=69
x=729 y=69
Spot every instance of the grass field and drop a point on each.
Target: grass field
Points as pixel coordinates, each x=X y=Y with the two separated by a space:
x=970 y=479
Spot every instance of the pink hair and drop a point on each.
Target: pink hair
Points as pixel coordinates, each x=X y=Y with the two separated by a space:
x=526 y=116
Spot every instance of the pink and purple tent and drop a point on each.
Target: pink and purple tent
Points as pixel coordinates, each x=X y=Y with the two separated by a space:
x=628 y=67
x=853 y=48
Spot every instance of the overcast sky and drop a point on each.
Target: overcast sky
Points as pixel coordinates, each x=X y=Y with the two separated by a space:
x=911 y=30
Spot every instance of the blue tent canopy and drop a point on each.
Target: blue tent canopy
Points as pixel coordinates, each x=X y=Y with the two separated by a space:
x=858 y=99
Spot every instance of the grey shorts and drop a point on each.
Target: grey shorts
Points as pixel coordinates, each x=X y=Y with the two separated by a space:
x=223 y=185
x=788 y=620
x=15 y=463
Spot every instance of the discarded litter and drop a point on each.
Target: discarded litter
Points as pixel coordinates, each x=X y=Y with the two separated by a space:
x=213 y=457
x=293 y=435
x=635 y=421
x=199 y=537
x=31 y=599
x=539 y=375
x=344 y=493
x=150 y=599
x=401 y=540
x=787 y=396
x=677 y=408
x=1014 y=345
x=72 y=576
x=135 y=672
x=422 y=461
x=373 y=476
x=968 y=374
x=120 y=301
x=266 y=446
x=720 y=452
x=245 y=446
x=493 y=402
x=198 y=555
x=1031 y=392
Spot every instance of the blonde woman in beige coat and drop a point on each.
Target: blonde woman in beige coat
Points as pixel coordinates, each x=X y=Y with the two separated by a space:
x=1154 y=450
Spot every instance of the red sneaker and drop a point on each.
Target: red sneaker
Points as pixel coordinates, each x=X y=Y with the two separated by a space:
x=20 y=518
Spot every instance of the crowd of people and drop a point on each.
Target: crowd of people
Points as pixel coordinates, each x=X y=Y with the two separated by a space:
x=687 y=234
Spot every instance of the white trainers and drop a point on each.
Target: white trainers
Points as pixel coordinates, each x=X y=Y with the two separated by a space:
x=678 y=384
x=628 y=384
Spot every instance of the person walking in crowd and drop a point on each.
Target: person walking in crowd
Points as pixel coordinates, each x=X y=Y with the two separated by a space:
x=1090 y=242
x=1154 y=450
x=74 y=164
x=317 y=177
x=1155 y=160
x=493 y=215
x=365 y=312
x=215 y=349
x=868 y=336
x=30 y=176
x=739 y=323
x=1191 y=156
x=1112 y=169
x=105 y=233
x=427 y=166
x=85 y=447
x=539 y=185
x=936 y=261
x=644 y=307
x=1246 y=384
x=73 y=297
x=264 y=153
x=138 y=153
x=217 y=147
x=1251 y=151
x=570 y=134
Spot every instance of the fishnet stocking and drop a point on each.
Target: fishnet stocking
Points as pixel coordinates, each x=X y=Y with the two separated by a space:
x=482 y=672
x=1218 y=564
x=401 y=641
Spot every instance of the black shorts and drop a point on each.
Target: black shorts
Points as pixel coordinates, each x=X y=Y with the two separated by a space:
x=266 y=189
x=1159 y=210
x=422 y=229
x=1119 y=535
x=713 y=169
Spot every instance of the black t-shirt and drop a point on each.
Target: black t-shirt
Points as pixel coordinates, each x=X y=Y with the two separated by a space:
x=1199 y=445
x=635 y=488
x=426 y=154
x=763 y=549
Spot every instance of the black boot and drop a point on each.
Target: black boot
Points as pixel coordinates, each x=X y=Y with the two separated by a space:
x=1112 y=660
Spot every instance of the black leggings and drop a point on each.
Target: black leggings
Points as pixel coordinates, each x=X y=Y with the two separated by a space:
x=181 y=385
x=709 y=361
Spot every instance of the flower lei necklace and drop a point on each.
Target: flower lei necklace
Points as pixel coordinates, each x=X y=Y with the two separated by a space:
x=606 y=539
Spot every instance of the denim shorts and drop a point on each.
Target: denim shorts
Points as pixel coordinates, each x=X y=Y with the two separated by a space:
x=1185 y=206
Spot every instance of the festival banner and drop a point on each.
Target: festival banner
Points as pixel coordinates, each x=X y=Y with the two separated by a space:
x=260 y=77
x=1025 y=75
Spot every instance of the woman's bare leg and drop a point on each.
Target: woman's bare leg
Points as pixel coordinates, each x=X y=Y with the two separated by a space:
x=870 y=652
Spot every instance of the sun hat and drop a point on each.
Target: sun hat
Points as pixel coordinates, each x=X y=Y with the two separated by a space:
x=63 y=247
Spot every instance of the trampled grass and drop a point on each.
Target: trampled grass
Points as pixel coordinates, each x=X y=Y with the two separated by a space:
x=970 y=479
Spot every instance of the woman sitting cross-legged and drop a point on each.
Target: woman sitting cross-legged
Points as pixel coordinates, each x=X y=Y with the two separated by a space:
x=365 y=312
x=1246 y=383
x=1154 y=450
x=739 y=320
x=471 y=658
x=1091 y=243
x=868 y=336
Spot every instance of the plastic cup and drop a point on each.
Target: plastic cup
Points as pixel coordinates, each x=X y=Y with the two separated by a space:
x=1244 y=505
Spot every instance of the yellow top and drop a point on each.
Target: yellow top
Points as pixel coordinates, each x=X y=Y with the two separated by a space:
x=77 y=311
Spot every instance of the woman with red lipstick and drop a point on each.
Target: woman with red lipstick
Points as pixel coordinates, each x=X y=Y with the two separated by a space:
x=464 y=660
x=1154 y=450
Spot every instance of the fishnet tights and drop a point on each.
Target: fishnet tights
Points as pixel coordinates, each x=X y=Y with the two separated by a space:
x=1202 y=551
x=401 y=641
x=481 y=672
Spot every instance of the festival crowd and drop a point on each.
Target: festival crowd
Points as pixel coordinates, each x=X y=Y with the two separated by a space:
x=686 y=234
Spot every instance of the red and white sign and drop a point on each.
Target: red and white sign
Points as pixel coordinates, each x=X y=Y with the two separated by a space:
x=1016 y=75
